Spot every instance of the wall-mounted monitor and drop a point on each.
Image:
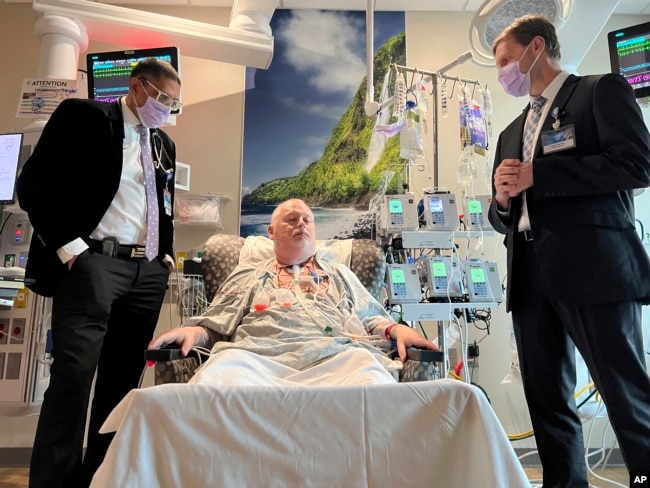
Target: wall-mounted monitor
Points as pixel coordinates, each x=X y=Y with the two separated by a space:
x=629 y=55
x=109 y=72
x=10 y=150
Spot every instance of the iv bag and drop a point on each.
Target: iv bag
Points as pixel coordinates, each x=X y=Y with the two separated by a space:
x=466 y=171
x=472 y=123
x=410 y=143
x=486 y=105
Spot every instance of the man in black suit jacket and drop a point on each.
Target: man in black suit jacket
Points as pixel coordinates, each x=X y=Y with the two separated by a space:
x=577 y=270
x=83 y=189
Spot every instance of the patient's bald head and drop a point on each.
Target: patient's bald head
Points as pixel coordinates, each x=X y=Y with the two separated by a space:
x=293 y=232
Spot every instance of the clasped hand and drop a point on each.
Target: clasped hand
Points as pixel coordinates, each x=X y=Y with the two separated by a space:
x=512 y=177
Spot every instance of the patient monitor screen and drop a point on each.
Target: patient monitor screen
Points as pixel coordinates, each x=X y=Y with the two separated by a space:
x=109 y=72
x=10 y=146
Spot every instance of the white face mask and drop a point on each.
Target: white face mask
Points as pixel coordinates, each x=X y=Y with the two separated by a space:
x=513 y=81
x=153 y=114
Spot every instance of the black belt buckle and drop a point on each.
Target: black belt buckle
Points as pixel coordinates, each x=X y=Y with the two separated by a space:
x=109 y=247
x=137 y=252
x=528 y=235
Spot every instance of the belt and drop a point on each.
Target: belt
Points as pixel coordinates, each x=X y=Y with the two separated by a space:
x=111 y=248
x=528 y=235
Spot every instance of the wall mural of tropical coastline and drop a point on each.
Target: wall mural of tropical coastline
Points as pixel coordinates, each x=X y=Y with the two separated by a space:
x=306 y=134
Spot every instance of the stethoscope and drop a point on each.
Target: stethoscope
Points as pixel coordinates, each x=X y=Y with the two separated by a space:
x=158 y=149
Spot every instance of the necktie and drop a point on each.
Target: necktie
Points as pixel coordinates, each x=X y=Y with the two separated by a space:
x=151 y=242
x=534 y=117
x=531 y=128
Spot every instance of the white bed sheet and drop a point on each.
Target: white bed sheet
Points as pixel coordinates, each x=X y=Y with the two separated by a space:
x=440 y=433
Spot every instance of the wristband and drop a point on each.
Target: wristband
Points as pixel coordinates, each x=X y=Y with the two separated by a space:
x=387 y=330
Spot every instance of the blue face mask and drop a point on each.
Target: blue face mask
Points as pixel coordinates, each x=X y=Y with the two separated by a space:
x=153 y=114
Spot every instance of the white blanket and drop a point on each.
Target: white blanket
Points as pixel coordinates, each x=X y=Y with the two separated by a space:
x=428 y=434
x=236 y=367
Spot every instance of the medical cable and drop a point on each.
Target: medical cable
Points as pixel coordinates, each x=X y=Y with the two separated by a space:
x=590 y=468
x=301 y=300
x=604 y=457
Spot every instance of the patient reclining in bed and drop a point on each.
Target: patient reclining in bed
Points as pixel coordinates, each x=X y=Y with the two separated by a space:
x=287 y=320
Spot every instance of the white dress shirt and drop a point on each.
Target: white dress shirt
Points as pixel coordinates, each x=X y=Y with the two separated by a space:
x=126 y=217
x=549 y=93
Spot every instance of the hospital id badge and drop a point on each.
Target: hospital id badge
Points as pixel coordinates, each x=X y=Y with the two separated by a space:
x=559 y=139
x=167 y=196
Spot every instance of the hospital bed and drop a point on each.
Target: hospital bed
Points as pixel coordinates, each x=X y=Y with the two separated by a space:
x=431 y=433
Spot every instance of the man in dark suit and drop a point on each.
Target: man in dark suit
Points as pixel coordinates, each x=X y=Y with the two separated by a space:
x=84 y=190
x=577 y=270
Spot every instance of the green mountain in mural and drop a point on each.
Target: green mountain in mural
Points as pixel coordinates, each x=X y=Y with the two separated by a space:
x=339 y=177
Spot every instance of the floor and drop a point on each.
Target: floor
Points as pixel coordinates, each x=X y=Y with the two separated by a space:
x=17 y=477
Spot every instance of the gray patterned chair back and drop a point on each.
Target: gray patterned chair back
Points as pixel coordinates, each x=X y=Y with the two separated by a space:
x=221 y=254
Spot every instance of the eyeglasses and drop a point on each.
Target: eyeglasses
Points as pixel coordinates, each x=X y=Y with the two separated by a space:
x=163 y=98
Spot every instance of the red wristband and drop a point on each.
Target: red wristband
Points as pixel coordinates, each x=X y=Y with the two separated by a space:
x=387 y=331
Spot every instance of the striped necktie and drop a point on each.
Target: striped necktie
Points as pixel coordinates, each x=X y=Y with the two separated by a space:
x=531 y=128
x=534 y=116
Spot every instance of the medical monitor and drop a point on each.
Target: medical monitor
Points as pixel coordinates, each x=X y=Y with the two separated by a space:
x=10 y=151
x=629 y=55
x=109 y=72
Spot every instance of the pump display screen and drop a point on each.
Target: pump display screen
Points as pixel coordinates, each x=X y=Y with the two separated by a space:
x=398 y=276
x=474 y=207
x=439 y=269
x=395 y=206
x=478 y=275
x=435 y=204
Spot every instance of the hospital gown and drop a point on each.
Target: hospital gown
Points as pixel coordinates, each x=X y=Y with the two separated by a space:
x=293 y=336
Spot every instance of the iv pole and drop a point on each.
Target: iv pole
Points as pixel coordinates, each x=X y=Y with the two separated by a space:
x=372 y=108
x=435 y=77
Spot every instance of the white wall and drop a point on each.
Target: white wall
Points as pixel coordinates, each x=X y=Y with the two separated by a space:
x=209 y=138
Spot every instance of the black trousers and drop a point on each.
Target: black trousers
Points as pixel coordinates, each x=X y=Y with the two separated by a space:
x=609 y=339
x=104 y=313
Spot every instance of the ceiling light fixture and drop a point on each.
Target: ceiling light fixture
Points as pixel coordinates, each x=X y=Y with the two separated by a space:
x=495 y=15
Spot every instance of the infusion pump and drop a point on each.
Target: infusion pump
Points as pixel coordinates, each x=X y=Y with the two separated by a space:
x=483 y=282
x=397 y=213
x=403 y=283
x=475 y=212
x=440 y=211
x=441 y=276
x=444 y=278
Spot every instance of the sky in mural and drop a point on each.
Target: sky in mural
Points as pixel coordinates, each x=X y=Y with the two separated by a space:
x=318 y=64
